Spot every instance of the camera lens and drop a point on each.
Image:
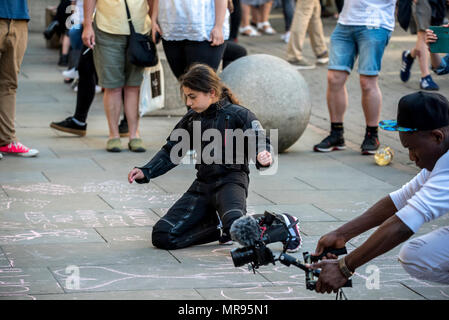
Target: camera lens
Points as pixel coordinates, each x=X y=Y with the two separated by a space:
x=242 y=256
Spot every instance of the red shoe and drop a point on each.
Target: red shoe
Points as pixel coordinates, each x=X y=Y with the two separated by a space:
x=16 y=148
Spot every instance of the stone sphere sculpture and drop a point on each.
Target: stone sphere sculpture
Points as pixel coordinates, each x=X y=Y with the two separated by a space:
x=275 y=91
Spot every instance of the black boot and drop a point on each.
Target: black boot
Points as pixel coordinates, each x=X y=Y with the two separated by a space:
x=63 y=60
x=51 y=29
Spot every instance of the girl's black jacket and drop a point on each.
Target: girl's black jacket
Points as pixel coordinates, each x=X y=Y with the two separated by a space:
x=221 y=116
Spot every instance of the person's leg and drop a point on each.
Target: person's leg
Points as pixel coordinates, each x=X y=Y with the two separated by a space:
x=288 y=9
x=132 y=110
x=112 y=101
x=86 y=85
x=371 y=99
x=232 y=52
x=84 y=97
x=298 y=30
x=192 y=220
x=343 y=52
x=230 y=202
x=263 y=24
x=427 y=257
x=337 y=95
x=316 y=33
x=372 y=44
x=421 y=52
x=203 y=52
x=235 y=20
x=176 y=57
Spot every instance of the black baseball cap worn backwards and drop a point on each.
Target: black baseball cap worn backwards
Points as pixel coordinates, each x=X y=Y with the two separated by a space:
x=419 y=111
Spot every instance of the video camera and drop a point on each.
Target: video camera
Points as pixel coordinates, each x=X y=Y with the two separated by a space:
x=255 y=253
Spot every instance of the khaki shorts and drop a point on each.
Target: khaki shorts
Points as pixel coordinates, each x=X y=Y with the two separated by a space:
x=421 y=16
x=111 y=62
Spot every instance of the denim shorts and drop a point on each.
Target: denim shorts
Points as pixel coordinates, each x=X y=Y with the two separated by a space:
x=350 y=42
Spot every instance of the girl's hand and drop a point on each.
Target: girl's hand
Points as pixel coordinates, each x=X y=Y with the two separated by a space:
x=264 y=158
x=216 y=36
x=155 y=29
x=135 y=174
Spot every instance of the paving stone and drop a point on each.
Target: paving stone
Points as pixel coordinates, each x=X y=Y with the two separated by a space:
x=87 y=254
x=35 y=236
x=25 y=282
x=161 y=276
x=185 y=294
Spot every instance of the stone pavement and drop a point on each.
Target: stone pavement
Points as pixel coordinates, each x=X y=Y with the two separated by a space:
x=70 y=212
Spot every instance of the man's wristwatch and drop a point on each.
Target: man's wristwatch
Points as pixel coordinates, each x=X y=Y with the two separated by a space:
x=344 y=268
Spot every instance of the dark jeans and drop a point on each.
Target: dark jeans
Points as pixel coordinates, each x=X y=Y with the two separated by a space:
x=235 y=19
x=288 y=8
x=193 y=219
x=86 y=85
x=182 y=54
x=232 y=52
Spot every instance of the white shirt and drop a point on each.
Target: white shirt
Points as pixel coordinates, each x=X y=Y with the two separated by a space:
x=425 y=197
x=189 y=19
x=372 y=13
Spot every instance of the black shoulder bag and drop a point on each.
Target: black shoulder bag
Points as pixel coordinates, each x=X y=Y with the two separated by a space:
x=141 y=49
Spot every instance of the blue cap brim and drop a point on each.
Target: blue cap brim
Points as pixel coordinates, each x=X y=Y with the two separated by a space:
x=392 y=125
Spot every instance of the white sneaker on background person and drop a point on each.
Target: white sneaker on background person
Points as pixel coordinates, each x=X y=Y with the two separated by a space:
x=70 y=74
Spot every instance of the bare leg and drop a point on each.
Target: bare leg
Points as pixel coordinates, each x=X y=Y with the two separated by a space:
x=421 y=51
x=112 y=101
x=371 y=99
x=337 y=95
x=132 y=110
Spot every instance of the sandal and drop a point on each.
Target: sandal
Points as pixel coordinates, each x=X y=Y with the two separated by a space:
x=265 y=27
x=249 y=31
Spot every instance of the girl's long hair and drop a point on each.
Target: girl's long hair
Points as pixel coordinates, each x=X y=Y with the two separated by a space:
x=201 y=77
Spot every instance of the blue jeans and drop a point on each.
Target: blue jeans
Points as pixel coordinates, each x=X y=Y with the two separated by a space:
x=288 y=8
x=350 y=42
x=75 y=36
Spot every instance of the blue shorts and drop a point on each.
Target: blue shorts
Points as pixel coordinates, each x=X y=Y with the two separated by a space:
x=350 y=42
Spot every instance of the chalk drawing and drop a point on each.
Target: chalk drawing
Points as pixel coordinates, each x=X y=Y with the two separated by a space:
x=13 y=283
x=42 y=188
x=32 y=235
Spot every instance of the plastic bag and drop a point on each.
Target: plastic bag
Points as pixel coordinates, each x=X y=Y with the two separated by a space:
x=152 y=90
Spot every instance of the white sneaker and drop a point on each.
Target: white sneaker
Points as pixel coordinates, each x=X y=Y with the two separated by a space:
x=286 y=37
x=1 y=156
x=70 y=74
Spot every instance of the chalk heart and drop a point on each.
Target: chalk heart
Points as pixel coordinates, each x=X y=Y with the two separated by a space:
x=276 y=93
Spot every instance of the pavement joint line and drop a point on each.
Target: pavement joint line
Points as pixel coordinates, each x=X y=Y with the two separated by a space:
x=99 y=196
x=179 y=261
x=265 y=198
x=98 y=164
x=322 y=210
x=54 y=152
x=105 y=240
x=411 y=289
x=45 y=176
x=305 y=182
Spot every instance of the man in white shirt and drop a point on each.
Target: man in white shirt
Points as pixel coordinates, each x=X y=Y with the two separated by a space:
x=423 y=125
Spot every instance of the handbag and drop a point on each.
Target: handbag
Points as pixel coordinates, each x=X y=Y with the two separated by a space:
x=141 y=49
x=152 y=90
